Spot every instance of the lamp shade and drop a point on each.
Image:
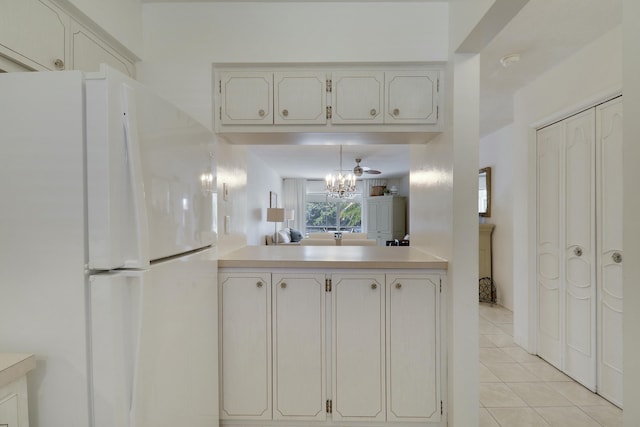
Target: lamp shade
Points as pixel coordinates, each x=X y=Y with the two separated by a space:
x=289 y=214
x=275 y=215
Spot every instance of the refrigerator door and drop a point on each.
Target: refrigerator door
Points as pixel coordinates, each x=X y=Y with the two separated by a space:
x=151 y=176
x=154 y=344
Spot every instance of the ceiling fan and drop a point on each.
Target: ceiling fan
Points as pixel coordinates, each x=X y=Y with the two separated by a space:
x=359 y=170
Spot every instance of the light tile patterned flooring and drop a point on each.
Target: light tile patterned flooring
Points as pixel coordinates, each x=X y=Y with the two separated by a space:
x=521 y=390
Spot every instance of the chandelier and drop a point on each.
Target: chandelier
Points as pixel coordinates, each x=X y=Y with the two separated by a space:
x=341 y=186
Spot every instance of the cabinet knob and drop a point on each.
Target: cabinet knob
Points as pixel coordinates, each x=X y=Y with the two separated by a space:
x=396 y=111
x=285 y=112
x=374 y=286
x=616 y=257
x=59 y=64
x=259 y=284
x=577 y=251
x=283 y=285
x=261 y=113
x=373 y=112
x=398 y=285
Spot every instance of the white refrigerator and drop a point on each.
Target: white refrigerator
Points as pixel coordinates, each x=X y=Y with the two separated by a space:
x=108 y=269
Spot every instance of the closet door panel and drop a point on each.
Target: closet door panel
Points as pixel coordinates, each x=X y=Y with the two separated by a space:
x=549 y=159
x=579 y=241
x=610 y=255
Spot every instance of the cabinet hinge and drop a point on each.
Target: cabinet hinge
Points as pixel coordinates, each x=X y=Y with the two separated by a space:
x=220 y=113
x=437 y=112
x=441 y=408
x=329 y=407
x=219 y=86
x=329 y=112
x=329 y=85
x=327 y=285
x=441 y=285
x=438 y=85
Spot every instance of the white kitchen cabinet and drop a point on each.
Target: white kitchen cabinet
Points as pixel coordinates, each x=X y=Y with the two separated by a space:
x=413 y=347
x=299 y=369
x=579 y=247
x=89 y=51
x=246 y=98
x=386 y=218
x=382 y=329
x=300 y=98
x=245 y=341
x=14 y=408
x=358 y=359
x=34 y=33
x=411 y=97
x=357 y=97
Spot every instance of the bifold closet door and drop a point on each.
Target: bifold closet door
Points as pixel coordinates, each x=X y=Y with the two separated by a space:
x=610 y=256
x=550 y=157
x=579 y=249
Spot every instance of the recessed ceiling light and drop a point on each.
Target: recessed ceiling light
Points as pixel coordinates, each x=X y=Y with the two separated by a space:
x=510 y=59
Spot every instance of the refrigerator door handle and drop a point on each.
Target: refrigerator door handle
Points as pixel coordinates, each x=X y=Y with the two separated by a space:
x=136 y=180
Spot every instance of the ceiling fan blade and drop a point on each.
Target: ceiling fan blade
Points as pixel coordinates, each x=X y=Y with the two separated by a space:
x=372 y=171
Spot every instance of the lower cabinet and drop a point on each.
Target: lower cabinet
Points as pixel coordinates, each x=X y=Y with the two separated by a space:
x=382 y=332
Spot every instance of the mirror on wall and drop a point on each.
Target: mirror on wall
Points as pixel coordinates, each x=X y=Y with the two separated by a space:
x=484 y=192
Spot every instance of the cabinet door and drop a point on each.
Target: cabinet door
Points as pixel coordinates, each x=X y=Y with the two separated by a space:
x=358 y=347
x=413 y=347
x=88 y=52
x=33 y=32
x=246 y=98
x=357 y=97
x=610 y=256
x=299 y=375
x=245 y=340
x=411 y=97
x=9 y=411
x=300 y=98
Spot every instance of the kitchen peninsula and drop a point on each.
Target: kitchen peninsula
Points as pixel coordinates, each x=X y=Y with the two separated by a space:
x=331 y=335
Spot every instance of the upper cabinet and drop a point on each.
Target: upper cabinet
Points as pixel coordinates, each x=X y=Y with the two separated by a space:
x=89 y=51
x=44 y=37
x=300 y=98
x=411 y=97
x=326 y=99
x=34 y=33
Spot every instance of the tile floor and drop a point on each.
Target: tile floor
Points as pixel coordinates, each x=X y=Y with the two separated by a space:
x=521 y=390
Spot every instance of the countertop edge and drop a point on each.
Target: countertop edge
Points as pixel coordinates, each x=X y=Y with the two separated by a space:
x=439 y=265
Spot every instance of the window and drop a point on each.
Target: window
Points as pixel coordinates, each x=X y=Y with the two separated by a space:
x=326 y=214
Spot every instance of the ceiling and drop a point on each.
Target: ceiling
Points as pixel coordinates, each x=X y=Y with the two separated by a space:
x=544 y=33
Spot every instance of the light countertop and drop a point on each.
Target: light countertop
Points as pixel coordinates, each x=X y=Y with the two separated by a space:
x=356 y=257
x=15 y=365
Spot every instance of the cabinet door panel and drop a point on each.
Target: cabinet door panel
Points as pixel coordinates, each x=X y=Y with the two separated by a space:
x=246 y=98
x=357 y=97
x=33 y=32
x=411 y=97
x=300 y=98
x=610 y=240
x=245 y=338
x=299 y=350
x=358 y=347
x=413 y=348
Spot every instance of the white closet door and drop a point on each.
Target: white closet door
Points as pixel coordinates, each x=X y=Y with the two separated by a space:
x=579 y=249
x=549 y=183
x=609 y=258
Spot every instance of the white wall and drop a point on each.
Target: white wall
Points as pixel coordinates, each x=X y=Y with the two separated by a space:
x=122 y=19
x=232 y=170
x=496 y=151
x=260 y=180
x=589 y=75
